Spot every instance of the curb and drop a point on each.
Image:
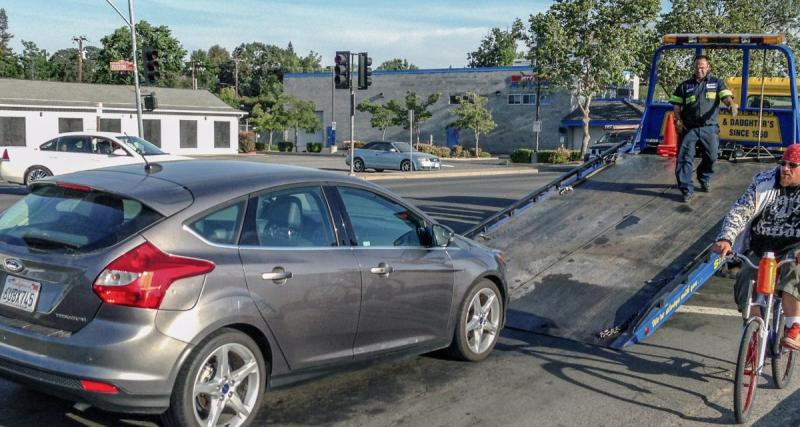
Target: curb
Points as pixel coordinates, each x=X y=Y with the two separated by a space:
x=426 y=175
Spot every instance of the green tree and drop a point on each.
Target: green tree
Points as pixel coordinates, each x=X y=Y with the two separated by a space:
x=64 y=64
x=117 y=46
x=471 y=113
x=34 y=62
x=381 y=116
x=269 y=120
x=415 y=103
x=301 y=115
x=397 y=64
x=498 y=48
x=10 y=65
x=585 y=46
x=5 y=36
x=261 y=68
x=228 y=96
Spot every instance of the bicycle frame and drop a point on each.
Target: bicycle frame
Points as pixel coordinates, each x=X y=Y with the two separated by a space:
x=771 y=308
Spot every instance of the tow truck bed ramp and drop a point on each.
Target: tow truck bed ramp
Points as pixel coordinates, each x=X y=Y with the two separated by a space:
x=591 y=260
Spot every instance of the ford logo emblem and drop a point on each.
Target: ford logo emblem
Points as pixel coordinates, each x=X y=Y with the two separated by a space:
x=13 y=265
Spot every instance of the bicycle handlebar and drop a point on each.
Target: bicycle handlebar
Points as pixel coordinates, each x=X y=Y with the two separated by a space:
x=749 y=262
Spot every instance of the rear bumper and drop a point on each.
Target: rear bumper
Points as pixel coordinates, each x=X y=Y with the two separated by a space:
x=10 y=174
x=121 y=346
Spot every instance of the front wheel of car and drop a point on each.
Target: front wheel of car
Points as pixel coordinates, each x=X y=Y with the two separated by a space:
x=479 y=321
x=406 y=166
x=358 y=165
x=221 y=384
x=36 y=173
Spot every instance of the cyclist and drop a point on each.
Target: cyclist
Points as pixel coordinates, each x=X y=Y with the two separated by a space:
x=767 y=218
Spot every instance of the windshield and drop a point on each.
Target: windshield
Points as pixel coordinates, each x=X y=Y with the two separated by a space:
x=53 y=218
x=140 y=145
x=402 y=147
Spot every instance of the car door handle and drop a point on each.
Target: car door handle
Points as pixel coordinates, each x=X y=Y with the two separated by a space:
x=382 y=270
x=278 y=275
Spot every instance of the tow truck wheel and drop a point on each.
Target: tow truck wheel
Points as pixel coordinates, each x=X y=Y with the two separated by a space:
x=479 y=320
x=745 y=381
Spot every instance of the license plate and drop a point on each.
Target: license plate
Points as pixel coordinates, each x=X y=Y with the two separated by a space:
x=20 y=293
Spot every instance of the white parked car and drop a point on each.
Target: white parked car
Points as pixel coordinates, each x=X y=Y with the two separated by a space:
x=76 y=151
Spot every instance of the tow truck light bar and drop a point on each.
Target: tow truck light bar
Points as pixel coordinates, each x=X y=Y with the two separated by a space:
x=724 y=38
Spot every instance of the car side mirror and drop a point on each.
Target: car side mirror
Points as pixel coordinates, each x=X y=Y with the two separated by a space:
x=441 y=236
x=392 y=150
x=119 y=152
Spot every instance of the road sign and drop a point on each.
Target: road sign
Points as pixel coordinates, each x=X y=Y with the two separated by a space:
x=537 y=126
x=121 y=65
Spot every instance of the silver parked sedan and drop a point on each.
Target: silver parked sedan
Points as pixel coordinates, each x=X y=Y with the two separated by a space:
x=380 y=155
x=189 y=288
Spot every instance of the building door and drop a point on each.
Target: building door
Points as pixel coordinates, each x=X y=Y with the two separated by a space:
x=452 y=137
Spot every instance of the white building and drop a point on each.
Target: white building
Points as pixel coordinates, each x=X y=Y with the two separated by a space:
x=185 y=122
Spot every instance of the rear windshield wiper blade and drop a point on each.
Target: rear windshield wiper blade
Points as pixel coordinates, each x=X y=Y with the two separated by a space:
x=46 y=243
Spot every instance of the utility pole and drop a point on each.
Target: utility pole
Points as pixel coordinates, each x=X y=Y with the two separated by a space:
x=236 y=74
x=194 y=75
x=80 y=40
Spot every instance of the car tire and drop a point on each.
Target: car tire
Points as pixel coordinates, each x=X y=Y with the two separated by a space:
x=406 y=166
x=200 y=372
x=35 y=173
x=480 y=318
x=358 y=165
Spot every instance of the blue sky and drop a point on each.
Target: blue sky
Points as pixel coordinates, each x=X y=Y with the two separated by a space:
x=430 y=34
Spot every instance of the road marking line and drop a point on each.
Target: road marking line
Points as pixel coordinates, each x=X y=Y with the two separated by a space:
x=696 y=309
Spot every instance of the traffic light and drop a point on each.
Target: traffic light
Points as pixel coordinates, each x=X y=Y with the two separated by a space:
x=150 y=102
x=364 y=71
x=151 y=64
x=341 y=71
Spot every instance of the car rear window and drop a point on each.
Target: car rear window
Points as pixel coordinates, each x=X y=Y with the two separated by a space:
x=53 y=218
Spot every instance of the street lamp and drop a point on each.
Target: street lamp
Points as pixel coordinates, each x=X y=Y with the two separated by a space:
x=132 y=25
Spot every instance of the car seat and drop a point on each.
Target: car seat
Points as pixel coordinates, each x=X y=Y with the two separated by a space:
x=282 y=223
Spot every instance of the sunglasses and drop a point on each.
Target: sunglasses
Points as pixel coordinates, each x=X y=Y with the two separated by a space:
x=784 y=163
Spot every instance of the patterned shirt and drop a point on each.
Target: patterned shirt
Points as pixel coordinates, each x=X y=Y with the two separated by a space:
x=778 y=226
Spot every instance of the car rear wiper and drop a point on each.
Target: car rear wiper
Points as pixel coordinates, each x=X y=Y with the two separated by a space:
x=40 y=242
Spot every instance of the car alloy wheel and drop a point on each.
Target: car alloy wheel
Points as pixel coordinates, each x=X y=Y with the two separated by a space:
x=405 y=165
x=221 y=385
x=36 y=173
x=480 y=319
x=358 y=165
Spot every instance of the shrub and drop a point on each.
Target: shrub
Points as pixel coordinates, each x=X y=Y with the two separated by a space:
x=457 y=151
x=521 y=155
x=482 y=153
x=358 y=144
x=432 y=149
x=560 y=155
x=247 y=142
x=285 y=146
x=314 y=147
x=261 y=146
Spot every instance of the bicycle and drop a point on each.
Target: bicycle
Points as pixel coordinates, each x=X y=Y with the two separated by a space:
x=761 y=337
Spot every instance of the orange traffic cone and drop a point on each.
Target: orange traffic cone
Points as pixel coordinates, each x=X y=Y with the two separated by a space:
x=669 y=147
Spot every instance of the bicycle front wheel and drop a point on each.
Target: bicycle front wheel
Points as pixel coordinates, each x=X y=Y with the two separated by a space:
x=745 y=381
x=783 y=359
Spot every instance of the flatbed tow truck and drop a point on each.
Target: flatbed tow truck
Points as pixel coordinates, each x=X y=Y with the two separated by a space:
x=606 y=253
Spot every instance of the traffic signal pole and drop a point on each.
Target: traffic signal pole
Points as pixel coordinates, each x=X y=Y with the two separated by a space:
x=132 y=25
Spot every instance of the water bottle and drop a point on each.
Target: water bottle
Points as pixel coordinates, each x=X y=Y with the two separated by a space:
x=767 y=273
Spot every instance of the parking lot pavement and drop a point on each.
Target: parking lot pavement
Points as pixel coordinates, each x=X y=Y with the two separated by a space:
x=335 y=162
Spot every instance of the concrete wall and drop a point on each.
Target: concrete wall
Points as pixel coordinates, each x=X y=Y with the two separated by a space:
x=42 y=125
x=514 y=122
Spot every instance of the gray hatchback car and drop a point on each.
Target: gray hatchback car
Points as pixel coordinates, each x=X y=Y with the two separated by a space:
x=190 y=287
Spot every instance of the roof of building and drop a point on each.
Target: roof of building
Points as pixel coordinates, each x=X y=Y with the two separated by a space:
x=86 y=95
x=614 y=110
x=426 y=71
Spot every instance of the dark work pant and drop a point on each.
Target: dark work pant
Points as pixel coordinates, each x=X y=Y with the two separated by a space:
x=707 y=139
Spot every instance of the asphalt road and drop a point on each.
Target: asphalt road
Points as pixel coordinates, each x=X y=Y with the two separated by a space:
x=680 y=376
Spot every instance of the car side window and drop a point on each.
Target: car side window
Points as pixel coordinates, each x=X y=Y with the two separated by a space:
x=75 y=144
x=378 y=221
x=49 y=145
x=295 y=217
x=371 y=146
x=102 y=146
x=222 y=225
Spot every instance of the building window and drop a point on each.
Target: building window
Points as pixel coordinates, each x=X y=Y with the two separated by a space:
x=69 y=125
x=188 y=135
x=152 y=131
x=546 y=100
x=222 y=134
x=111 y=125
x=522 y=99
x=12 y=131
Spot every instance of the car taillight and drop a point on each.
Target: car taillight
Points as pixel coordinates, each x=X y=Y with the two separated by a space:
x=141 y=277
x=5 y=155
x=98 y=387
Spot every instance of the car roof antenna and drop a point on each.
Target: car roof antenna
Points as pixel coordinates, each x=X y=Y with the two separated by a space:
x=148 y=167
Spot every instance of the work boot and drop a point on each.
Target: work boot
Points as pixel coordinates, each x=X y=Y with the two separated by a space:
x=705 y=187
x=791 y=337
x=687 y=197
